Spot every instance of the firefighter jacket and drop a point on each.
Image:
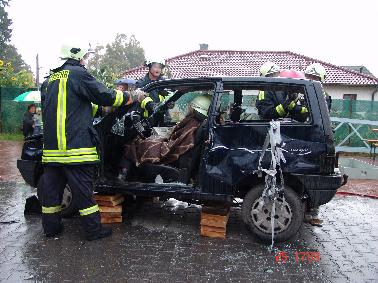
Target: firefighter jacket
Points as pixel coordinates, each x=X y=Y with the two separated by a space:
x=275 y=105
x=69 y=135
x=149 y=103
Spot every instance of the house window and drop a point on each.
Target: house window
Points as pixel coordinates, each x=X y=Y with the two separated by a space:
x=350 y=96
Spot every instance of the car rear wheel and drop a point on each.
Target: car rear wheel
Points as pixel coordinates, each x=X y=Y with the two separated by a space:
x=68 y=207
x=257 y=214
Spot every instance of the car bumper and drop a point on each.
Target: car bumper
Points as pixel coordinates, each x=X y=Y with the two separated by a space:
x=321 y=188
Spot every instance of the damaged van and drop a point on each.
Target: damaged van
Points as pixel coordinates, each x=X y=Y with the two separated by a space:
x=224 y=164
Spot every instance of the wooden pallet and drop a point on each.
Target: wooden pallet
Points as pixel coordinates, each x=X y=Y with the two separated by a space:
x=110 y=207
x=214 y=221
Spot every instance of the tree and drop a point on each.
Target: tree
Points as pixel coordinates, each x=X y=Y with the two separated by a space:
x=110 y=61
x=5 y=22
x=8 y=52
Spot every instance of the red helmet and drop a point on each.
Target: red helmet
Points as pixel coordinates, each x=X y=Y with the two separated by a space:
x=292 y=74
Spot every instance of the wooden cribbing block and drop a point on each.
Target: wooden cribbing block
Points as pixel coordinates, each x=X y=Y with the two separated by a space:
x=117 y=208
x=213 y=232
x=111 y=214
x=214 y=221
x=113 y=202
x=106 y=197
x=107 y=220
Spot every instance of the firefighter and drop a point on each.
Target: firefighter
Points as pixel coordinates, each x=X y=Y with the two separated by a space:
x=69 y=152
x=317 y=72
x=273 y=105
x=148 y=103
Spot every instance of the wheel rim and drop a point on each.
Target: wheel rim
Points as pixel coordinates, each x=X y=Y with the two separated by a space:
x=67 y=197
x=261 y=214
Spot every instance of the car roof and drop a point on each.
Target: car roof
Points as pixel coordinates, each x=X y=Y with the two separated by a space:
x=227 y=80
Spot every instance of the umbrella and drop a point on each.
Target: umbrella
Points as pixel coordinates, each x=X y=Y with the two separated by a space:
x=29 y=96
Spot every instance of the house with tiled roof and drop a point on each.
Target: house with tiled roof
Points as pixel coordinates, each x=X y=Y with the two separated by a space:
x=341 y=82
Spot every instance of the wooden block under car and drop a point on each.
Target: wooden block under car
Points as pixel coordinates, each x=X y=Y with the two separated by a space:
x=106 y=197
x=106 y=220
x=117 y=209
x=214 y=221
x=113 y=202
x=213 y=232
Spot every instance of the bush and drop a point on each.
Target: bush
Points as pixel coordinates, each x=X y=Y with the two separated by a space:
x=9 y=78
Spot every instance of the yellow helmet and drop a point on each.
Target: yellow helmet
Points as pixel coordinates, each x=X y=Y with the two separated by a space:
x=73 y=52
x=269 y=68
x=316 y=70
x=201 y=104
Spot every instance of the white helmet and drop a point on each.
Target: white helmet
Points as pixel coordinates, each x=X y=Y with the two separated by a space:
x=73 y=52
x=269 y=68
x=316 y=70
x=201 y=104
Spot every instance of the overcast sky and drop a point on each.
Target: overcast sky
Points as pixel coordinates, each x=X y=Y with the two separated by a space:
x=338 y=32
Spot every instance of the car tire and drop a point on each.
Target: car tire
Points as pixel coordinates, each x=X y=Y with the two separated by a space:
x=68 y=207
x=256 y=215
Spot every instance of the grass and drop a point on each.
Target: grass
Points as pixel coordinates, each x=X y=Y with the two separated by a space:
x=11 y=137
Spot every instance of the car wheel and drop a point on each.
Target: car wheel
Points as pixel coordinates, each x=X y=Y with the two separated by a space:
x=68 y=207
x=257 y=214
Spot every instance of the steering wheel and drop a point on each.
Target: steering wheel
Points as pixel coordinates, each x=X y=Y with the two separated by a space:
x=141 y=127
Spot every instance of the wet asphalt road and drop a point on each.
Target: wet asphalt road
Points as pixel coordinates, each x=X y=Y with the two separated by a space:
x=161 y=243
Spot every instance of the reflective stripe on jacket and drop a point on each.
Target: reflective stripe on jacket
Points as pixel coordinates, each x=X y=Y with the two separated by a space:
x=270 y=105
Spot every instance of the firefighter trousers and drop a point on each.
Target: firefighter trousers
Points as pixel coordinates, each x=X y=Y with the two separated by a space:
x=80 y=180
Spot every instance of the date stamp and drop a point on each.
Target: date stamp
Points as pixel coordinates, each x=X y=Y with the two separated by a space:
x=300 y=257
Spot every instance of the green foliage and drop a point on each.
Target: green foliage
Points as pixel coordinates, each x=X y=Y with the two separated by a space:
x=11 y=137
x=8 y=52
x=108 y=62
x=5 y=23
x=10 y=78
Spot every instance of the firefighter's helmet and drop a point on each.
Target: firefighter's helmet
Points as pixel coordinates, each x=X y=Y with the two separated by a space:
x=269 y=68
x=201 y=104
x=316 y=70
x=74 y=52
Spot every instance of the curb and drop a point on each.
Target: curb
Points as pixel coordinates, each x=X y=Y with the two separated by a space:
x=357 y=194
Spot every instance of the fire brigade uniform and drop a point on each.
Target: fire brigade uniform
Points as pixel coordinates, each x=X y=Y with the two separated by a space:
x=154 y=97
x=275 y=105
x=69 y=152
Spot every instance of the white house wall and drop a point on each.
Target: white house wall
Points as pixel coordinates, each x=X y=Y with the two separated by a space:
x=363 y=92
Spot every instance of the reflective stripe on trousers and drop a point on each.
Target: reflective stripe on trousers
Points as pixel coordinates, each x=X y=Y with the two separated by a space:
x=89 y=210
x=51 y=209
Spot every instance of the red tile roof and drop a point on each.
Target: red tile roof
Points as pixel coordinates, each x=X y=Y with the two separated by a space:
x=221 y=63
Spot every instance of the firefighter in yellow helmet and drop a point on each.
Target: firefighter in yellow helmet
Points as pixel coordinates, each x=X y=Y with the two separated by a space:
x=317 y=72
x=273 y=105
x=69 y=150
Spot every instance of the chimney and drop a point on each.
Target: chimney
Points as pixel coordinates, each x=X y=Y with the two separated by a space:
x=204 y=46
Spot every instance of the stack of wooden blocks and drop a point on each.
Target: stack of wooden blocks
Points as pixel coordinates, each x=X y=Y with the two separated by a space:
x=214 y=221
x=110 y=207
